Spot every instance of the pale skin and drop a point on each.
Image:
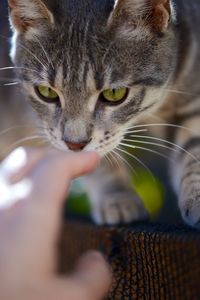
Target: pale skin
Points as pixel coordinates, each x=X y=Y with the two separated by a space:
x=30 y=226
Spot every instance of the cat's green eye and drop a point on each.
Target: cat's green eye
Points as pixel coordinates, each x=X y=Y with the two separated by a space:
x=115 y=95
x=47 y=93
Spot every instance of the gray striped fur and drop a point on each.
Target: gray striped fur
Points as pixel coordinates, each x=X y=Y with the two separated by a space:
x=83 y=47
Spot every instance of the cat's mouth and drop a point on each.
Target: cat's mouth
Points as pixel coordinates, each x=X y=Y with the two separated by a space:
x=103 y=148
x=102 y=142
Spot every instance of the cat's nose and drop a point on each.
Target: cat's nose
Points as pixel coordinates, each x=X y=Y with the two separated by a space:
x=77 y=146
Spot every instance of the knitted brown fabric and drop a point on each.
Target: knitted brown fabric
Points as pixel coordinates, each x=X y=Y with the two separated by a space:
x=148 y=262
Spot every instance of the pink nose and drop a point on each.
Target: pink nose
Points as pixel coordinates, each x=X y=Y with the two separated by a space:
x=77 y=146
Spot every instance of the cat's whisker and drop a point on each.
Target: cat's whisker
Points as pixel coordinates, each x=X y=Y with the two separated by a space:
x=125 y=161
x=45 y=52
x=44 y=142
x=115 y=159
x=7 y=130
x=8 y=81
x=18 y=68
x=33 y=55
x=179 y=148
x=151 y=144
x=29 y=51
x=104 y=159
x=179 y=92
x=148 y=150
x=140 y=130
x=108 y=161
x=137 y=159
x=111 y=161
x=164 y=125
x=9 y=68
x=11 y=83
x=23 y=140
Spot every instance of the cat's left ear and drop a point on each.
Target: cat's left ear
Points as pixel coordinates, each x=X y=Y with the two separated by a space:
x=26 y=15
x=153 y=13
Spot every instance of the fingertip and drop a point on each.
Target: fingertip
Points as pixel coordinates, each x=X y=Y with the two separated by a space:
x=93 y=158
x=85 y=162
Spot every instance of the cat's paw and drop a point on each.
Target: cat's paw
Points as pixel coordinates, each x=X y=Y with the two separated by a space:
x=124 y=207
x=189 y=204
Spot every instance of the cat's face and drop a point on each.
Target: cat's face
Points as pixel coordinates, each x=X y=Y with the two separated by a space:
x=91 y=70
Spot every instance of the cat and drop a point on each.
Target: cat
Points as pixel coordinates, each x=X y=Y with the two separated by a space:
x=97 y=70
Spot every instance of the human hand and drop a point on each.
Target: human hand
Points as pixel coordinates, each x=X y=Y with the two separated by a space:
x=33 y=186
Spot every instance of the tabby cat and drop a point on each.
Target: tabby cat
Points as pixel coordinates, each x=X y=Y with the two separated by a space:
x=95 y=70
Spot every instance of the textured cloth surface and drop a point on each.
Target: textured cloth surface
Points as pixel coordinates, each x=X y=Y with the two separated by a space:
x=148 y=262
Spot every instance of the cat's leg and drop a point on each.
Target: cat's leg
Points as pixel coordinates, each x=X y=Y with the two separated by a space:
x=113 y=201
x=186 y=171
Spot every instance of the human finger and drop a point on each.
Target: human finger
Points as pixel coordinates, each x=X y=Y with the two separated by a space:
x=53 y=175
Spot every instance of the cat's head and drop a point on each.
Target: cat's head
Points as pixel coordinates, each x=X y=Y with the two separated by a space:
x=92 y=68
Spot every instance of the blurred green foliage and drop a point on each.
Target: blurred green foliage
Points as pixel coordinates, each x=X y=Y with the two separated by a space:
x=149 y=188
x=151 y=191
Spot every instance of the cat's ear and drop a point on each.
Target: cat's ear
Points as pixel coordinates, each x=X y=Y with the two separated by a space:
x=29 y=14
x=153 y=13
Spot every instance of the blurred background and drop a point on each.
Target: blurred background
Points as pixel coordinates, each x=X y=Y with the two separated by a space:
x=16 y=117
x=17 y=126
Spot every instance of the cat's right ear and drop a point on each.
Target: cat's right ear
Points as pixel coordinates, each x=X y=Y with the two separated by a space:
x=153 y=14
x=29 y=15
